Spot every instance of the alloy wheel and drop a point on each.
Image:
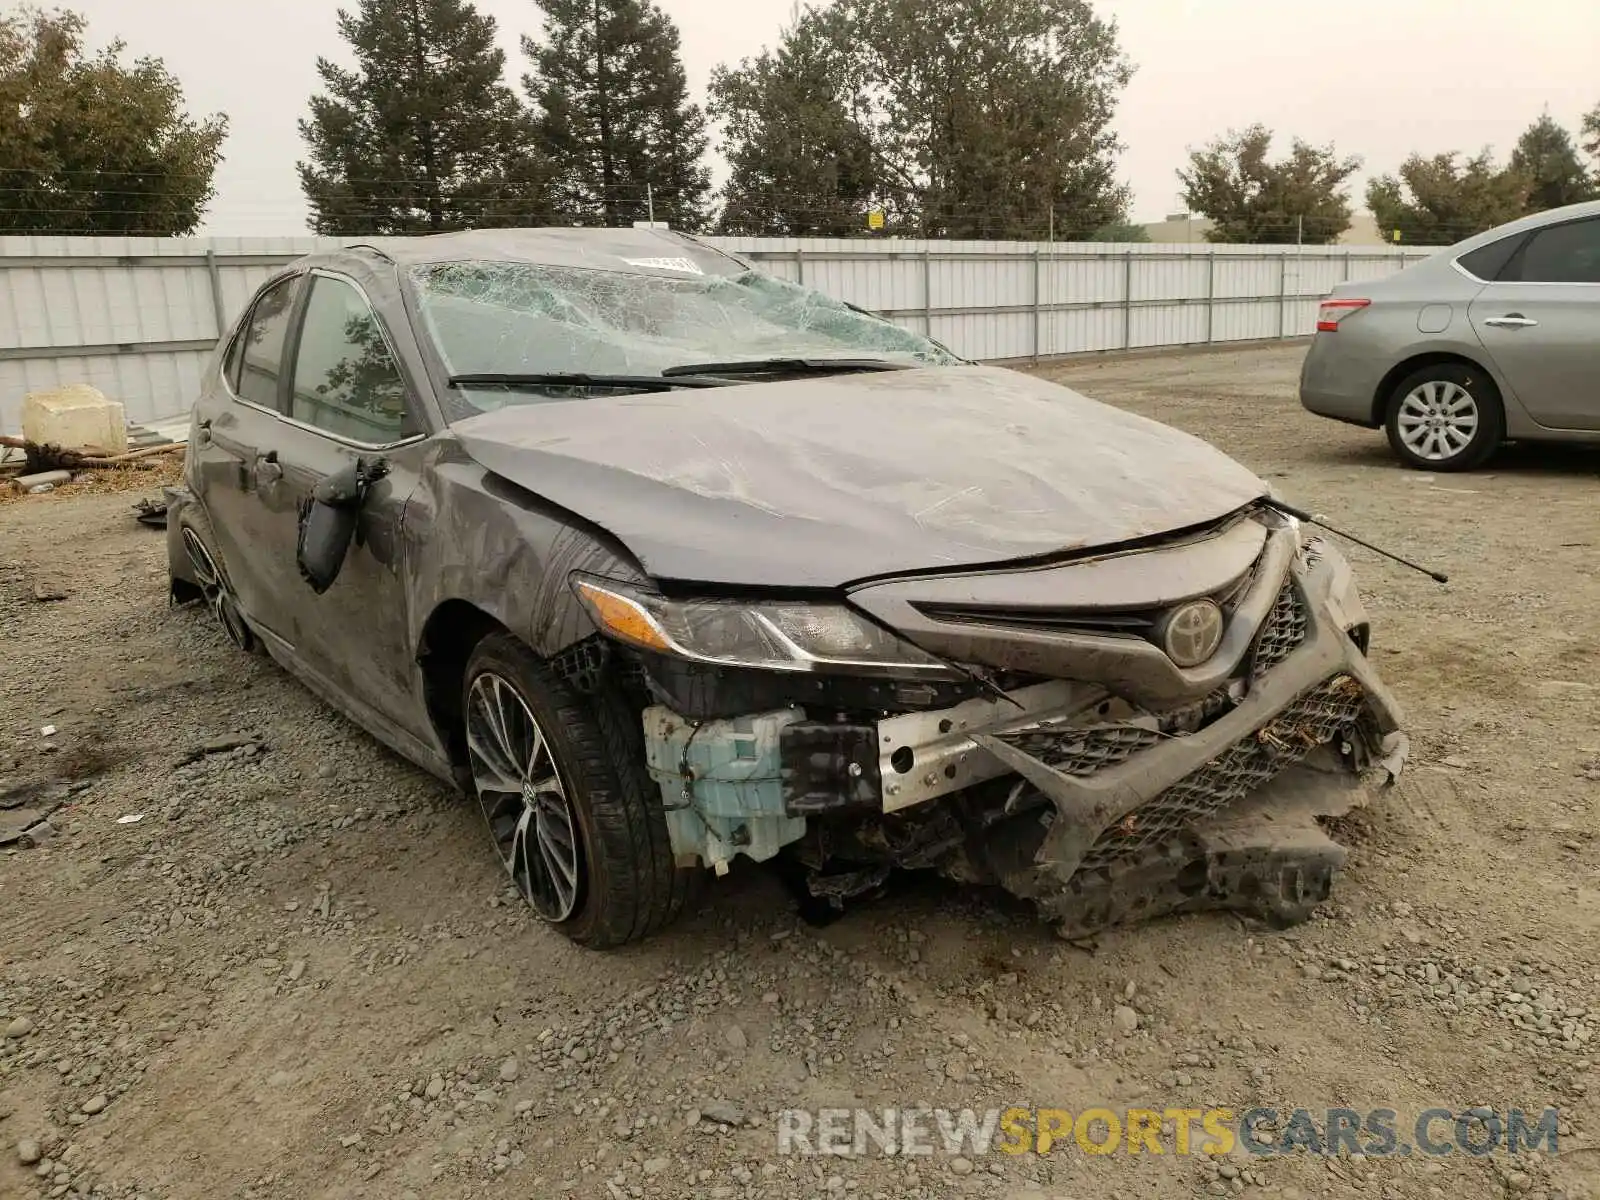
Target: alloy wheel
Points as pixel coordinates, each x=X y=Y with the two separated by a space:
x=215 y=589
x=1438 y=420
x=523 y=798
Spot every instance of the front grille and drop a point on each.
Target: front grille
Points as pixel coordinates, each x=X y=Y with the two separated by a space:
x=1083 y=751
x=1282 y=631
x=1330 y=710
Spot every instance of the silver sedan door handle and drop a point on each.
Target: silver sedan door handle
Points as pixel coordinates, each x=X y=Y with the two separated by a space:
x=267 y=468
x=1511 y=321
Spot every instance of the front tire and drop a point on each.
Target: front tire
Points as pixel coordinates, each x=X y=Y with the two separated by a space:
x=575 y=819
x=205 y=564
x=1446 y=417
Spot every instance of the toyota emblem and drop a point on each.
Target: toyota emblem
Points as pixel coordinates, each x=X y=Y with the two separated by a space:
x=1192 y=632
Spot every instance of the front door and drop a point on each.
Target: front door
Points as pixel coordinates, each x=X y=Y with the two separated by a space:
x=1540 y=322
x=347 y=400
x=234 y=416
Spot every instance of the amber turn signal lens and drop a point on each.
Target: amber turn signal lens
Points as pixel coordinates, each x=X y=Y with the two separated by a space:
x=624 y=619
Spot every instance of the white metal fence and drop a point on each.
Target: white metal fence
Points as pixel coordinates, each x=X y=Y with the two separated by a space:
x=136 y=317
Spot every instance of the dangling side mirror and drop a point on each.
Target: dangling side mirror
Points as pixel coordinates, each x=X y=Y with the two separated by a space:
x=328 y=521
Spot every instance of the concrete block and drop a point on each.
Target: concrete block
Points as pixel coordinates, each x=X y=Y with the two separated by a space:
x=78 y=417
x=24 y=483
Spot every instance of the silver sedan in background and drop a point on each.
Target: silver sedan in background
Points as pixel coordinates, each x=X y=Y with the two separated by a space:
x=1494 y=339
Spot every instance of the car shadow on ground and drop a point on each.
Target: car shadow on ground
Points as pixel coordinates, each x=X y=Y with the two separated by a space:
x=1531 y=459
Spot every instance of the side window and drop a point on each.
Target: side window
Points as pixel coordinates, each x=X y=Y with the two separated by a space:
x=345 y=379
x=260 y=345
x=230 y=360
x=1567 y=253
x=1486 y=262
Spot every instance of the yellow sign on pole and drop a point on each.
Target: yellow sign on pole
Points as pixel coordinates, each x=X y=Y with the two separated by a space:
x=875 y=219
x=1396 y=235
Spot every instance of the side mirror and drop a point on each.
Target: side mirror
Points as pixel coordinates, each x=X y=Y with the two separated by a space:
x=328 y=519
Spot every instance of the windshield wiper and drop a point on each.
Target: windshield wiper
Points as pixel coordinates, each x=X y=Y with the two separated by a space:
x=793 y=366
x=642 y=383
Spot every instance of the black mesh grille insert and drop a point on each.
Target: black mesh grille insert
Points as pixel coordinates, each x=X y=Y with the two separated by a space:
x=1317 y=717
x=1083 y=751
x=1282 y=631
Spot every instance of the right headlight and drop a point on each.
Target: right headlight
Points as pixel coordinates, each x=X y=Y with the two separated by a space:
x=772 y=635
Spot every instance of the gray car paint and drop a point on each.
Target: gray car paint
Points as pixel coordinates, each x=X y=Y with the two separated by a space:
x=901 y=482
x=491 y=515
x=1548 y=375
x=817 y=483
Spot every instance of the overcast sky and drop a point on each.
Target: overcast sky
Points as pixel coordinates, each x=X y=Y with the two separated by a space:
x=1379 y=78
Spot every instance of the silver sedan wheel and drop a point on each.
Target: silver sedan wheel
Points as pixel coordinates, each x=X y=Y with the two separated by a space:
x=1438 y=420
x=523 y=798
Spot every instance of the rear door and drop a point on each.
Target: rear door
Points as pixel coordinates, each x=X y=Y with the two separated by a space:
x=347 y=399
x=1540 y=321
x=234 y=418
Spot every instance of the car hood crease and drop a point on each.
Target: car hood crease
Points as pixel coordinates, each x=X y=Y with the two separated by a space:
x=820 y=482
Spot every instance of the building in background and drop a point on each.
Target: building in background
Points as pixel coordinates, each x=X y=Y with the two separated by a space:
x=1187 y=227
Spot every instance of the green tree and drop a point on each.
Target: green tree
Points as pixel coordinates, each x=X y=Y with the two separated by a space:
x=1120 y=231
x=988 y=118
x=612 y=109
x=1547 y=158
x=1440 y=200
x=91 y=145
x=1591 y=134
x=1251 y=199
x=800 y=165
x=423 y=135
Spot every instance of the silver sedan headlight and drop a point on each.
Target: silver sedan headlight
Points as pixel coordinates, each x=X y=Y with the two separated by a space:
x=777 y=635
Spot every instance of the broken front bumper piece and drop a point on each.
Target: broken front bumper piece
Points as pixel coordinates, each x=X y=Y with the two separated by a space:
x=1095 y=808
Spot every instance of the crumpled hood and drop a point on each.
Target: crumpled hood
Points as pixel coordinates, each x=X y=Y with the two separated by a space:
x=815 y=483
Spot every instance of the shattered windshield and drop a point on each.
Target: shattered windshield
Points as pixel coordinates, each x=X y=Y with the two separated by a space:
x=521 y=319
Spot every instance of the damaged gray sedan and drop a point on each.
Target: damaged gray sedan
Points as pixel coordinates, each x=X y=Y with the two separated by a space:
x=666 y=561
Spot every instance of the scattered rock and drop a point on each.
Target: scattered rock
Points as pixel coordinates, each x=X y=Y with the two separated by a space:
x=1125 y=1019
x=28 y=1152
x=510 y=1070
x=736 y=1037
x=654 y=1166
x=722 y=1113
x=96 y=1104
x=19 y=1027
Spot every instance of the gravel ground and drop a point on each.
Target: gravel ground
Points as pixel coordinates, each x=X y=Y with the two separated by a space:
x=298 y=974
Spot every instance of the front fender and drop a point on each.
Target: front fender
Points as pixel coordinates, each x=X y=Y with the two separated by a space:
x=480 y=540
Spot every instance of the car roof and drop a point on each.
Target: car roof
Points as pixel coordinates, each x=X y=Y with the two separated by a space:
x=632 y=251
x=1551 y=216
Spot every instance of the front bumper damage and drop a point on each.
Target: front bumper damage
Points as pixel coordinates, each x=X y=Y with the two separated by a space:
x=1126 y=791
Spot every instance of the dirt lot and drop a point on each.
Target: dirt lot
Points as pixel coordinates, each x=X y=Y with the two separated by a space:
x=299 y=973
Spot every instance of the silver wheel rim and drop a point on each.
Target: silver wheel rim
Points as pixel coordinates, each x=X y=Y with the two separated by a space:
x=215 y=590
x=523 y=798
x=1438 y=420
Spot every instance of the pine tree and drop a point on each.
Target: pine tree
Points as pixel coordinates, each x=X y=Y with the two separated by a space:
x=613 y=112
x=799 y=164
x=1546 y=157
x=959 y=118
x=424 y=135
x=993 y=115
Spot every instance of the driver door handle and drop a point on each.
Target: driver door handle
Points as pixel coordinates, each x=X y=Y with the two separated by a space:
x=267 y=468
x=1511 y=321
